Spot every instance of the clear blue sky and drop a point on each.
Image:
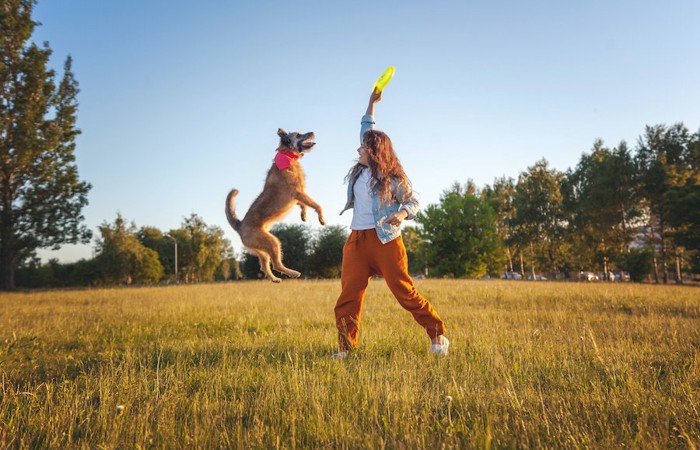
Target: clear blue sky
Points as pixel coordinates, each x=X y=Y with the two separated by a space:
x=180 y=101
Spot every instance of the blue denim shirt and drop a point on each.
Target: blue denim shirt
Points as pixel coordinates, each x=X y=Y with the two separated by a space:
x=382 y=211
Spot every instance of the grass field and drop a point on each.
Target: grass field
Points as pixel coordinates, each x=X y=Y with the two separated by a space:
x=247 y=365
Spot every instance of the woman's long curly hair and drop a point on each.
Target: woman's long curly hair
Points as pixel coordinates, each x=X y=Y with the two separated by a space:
x=384 y=166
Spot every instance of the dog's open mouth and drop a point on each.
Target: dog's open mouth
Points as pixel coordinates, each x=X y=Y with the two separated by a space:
x=308 y=143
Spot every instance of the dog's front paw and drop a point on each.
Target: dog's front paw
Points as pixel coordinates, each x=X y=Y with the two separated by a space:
x=321 y=220
x=303 y=216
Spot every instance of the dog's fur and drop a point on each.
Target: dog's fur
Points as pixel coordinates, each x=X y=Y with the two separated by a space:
x=283 y=189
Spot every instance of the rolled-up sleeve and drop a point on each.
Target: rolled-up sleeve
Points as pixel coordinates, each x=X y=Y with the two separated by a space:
x=366 y=124
x=410 y=204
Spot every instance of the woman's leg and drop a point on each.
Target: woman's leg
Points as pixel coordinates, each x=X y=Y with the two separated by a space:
x=354 y=277
x=392 y=262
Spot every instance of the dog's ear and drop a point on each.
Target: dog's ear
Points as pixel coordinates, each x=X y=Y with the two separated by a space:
x=284 y=138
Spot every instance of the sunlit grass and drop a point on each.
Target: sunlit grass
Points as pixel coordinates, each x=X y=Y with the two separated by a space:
x=248 y=365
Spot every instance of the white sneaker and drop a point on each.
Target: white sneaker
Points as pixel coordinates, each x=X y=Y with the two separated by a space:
x=340 y=355
x=441 y=348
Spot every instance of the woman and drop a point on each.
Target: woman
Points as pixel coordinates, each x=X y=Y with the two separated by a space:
x=381 y=197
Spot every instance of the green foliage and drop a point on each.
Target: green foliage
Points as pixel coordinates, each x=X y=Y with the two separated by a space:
x=500 y=196
x=296 y=245
x=602 y=204
x=42 y=196
x=122 y=259
x=54 y=274
x=668 y=161
x=326 y=257
x=202 y=249
x=230 y=269
x=638 y=262
x=539 y=222
x=250 y=266
x=416 y=250
x=128 y=256
x=463 y=237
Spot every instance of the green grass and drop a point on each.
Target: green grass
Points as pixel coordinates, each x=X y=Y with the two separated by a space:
x=247 y=365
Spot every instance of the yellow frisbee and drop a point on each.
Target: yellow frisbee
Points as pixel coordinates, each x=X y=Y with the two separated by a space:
x=384 y=79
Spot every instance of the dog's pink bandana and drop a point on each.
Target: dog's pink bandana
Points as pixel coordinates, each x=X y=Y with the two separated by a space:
x=284 y=159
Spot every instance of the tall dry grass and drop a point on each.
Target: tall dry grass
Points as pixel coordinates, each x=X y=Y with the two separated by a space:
x=247 y=365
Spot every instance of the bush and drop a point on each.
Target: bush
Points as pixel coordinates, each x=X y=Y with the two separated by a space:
x=638 y=262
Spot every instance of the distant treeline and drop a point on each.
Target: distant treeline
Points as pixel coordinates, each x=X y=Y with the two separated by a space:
x=619 y=209
x=635 y=212
x=125 y=255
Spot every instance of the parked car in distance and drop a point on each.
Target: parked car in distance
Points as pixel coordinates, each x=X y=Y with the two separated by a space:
x=511 y=276
x=622 y=276
x=587 y=276
x=537 y=278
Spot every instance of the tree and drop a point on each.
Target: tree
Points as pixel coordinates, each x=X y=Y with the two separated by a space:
x=667 y=159
x=250 y=266
x=230 y=269
x=462 y=235
x=681 y=205
x=201 y=249
x=122 y=259
x=602 y=204
x=296 y=243
x=538 y=222
x=41 y=196
x=155 y=239
x=326 y=258
x=416 y=250
x=296 y=246
x=500 y=197
x=52 y=274
x=638 y=262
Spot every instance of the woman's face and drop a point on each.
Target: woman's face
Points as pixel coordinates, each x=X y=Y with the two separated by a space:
x=364 y=158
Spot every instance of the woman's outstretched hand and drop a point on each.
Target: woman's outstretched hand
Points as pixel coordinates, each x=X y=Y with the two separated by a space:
x=374 y=98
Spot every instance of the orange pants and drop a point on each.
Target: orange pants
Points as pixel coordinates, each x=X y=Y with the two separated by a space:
x=363 y=256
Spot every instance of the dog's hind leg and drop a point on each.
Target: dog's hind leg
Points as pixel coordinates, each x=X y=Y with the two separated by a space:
x=264 y=259
x=303 y=211
x=274 y=248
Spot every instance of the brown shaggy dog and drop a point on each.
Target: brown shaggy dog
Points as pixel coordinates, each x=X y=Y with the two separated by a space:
x=284 y=187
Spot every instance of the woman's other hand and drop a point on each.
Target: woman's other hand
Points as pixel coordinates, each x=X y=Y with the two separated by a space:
x=398 y=217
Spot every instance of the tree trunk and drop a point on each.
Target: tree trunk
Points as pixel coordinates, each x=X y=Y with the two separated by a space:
x=7 y=271
x=7 y=254
x=656 y=270
x=653 y=249
x=664 y=255
x=510 y=260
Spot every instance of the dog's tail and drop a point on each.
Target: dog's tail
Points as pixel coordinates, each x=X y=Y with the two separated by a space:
x=231 y=209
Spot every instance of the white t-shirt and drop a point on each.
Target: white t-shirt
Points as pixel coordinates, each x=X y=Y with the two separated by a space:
x=362 y=215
